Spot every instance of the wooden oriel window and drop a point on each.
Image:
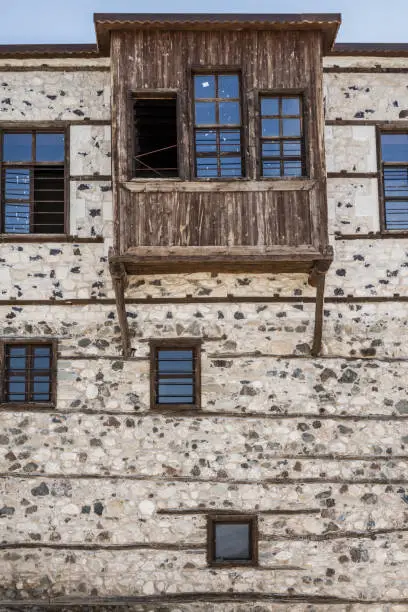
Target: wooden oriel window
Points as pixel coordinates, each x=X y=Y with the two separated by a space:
x=28 y=372
x=175 y=374
x=33 y=182
x=155 y=147
x=232 y=540
x=282 y=136
x=394 y=170
x=218 y=126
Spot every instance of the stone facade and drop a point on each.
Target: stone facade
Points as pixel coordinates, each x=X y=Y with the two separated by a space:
x=102 y=500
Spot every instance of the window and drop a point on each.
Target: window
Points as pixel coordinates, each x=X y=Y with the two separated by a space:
x=394 y=167
x=28 y=373
x=155 y=137
x=175 y=374
x=282 y=139
x=217 y=132
x=32 y=182
x=232 y=540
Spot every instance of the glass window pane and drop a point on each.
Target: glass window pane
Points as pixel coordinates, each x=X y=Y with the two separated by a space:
x=230 y=166
x=206 y=167
x=290 y=106
x=205 y=113
x=232 y=542
x=175 y=354
x=50 y=147
x=204 y=86
x=17 y=184
x=291 y=127
x=396 y=215
x=292 y=148
x=270 y=127
x=230 y=141
x=17 y=147
x=16 y=218
x=206 y=142
x=175 y=366
x=270 y=106
x=394 y=147
x=17 y=363
x=228 y=86
x=176 y=391
x=271 y=168
x=271 y=149
x=396 y=182
x=229 y=113
x=292 y=168
x=16 y=388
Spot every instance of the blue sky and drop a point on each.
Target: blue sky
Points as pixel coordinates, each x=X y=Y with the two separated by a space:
x=59 y=21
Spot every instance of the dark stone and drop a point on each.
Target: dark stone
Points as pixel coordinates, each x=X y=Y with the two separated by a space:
x=41 y=490
x=95 y=442
x=402 y=406
x=369 y=498
x=95 y=212
x=112 y=422
x=247 y=390
x=326 y=374
x=4 y=439
x=85 y=509
x=348 y=376
x=403 y=114
x=359 y=555
x=98 y=508
x=84 y=342
x=55 y=251
x=7 y=511
x=341 y=272
x=238 y=315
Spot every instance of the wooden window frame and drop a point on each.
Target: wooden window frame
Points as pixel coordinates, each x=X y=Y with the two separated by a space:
x=251 y=520
x=53 y=370
x=178 y=343
x=302 y=95
x=215 y=71
x=152 y=94
x=35 y=129
x=380 y=130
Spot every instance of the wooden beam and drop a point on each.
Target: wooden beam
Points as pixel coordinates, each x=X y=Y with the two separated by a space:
x=318 y=328
x=120 y=281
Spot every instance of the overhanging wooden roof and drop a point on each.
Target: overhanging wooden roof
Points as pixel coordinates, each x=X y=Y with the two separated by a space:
x=328 y=23
x=48 y=51
x=373 y=49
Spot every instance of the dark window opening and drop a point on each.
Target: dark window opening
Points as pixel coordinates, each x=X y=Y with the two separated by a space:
x=28 y=375
x=33 y=183
x=282 y=137
x=232 y=540
x=175 y=376
x=218 y=126
x=155 y=138
x=394 y=165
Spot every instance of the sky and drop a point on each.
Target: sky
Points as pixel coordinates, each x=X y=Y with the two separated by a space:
x=71 y=21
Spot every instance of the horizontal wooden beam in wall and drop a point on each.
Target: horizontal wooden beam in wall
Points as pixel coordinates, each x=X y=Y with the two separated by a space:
x=54 y=125
x=50 y=68
x=215 y=481
x=196 y=597
x=392 y=125
x=84 y=178
x=368 y=70
x=352 y=175
x=218 y=511
x=372 y=236
x=44 y=238
x=240 y=185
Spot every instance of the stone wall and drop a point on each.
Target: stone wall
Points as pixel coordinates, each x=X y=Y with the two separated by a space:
x=101 y=498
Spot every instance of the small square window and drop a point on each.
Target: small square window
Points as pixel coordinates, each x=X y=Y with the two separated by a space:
x=232 y=540
x=28 y=373
x=175 y=374
x=394 y=167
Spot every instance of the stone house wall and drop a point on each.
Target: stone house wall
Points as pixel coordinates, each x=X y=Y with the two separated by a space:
x=318 y=448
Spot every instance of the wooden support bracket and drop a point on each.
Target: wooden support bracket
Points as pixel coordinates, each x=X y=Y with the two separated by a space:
x=120 y=281
x=318 y=328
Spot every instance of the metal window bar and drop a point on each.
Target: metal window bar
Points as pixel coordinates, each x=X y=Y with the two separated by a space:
x=395 y=188
x=29 y=375
x=218 y=128
x=174 y=377
x=283 y=159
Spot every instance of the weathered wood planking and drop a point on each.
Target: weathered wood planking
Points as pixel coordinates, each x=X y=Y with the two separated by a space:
x=267 y=60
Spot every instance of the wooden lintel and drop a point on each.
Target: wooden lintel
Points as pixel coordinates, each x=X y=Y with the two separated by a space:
x=318 y=327
x=120 y=281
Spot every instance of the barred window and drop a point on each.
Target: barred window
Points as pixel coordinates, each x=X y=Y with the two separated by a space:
x=394 y=168
x=218 y=126
x=32 y=182
x=282 y=137
x=28 y=373
x=175 y=375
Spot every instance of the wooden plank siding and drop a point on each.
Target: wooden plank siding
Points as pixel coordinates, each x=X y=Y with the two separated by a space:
x=268 y=61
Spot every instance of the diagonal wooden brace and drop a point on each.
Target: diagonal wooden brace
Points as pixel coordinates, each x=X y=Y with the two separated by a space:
x=120 y=281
